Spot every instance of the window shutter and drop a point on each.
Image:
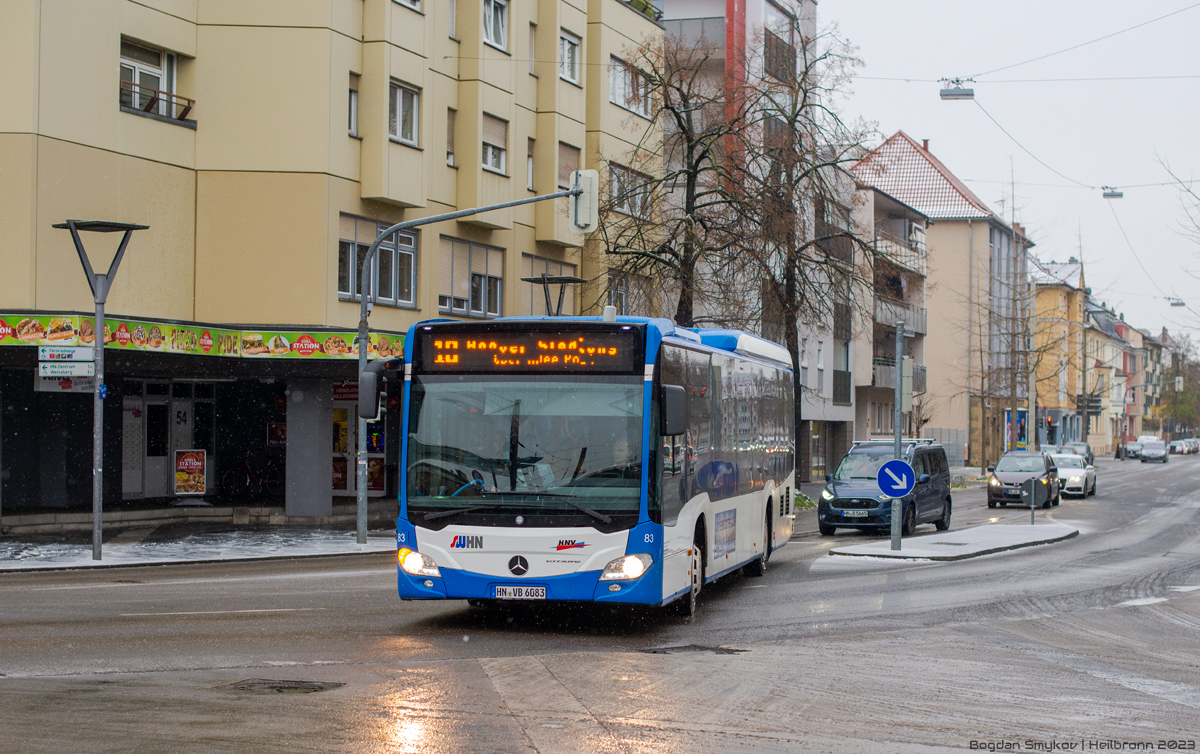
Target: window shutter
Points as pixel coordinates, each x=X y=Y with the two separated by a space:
x=495 y=131
x=462 y=270
x=495 y=262
x=346 y=227
x=568 y=162
x=354 y=81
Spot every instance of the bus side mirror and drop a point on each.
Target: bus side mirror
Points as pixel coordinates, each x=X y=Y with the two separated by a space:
x=674 y=410
x=369 y=384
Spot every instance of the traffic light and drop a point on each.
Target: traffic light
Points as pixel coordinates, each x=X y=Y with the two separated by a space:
x=584 y=207
x=371 y=383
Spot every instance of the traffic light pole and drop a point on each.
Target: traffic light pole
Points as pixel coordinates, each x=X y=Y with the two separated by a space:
x=364 y=336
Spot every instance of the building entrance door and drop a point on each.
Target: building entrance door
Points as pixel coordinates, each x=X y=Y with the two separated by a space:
x=345 y=448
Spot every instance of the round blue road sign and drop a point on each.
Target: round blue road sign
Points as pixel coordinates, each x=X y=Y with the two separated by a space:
x=896 y=478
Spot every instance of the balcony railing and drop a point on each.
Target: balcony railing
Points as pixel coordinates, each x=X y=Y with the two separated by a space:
x=883 y=374
x=645 y=8
x=889 y=312
x=152 y=101
x=900 y=252
x=842 y=387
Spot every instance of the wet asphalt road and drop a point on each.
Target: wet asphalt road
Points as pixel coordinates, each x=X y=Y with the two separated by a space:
x=1088 y=644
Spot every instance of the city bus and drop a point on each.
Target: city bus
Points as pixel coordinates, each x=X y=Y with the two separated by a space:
x=582 y=459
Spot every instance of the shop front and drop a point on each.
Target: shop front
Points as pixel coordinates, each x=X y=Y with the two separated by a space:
x=220 y=414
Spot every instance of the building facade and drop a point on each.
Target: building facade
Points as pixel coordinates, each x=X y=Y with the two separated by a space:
x=1058 y=333
x=266 y=146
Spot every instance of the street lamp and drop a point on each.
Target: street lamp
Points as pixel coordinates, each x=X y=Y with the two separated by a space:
x=1112 y=193
x=100 y=285
x=954 y=89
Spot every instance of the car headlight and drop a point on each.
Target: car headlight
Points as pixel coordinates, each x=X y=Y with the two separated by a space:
x=627 y=567
x=827 y=495
x=883 y=498
x=417 y=563
x=994 y=482
x=1076 y=479
x=1045 y=481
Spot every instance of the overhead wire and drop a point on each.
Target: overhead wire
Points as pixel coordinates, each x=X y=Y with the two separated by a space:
x=1039 y=81
x=1133 y=251
x=1090 y=41
x=1026 y=151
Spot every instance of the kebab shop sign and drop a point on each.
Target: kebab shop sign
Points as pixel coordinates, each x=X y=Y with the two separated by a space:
x=189 y=472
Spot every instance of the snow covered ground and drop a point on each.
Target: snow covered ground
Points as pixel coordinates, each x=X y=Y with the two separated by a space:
x=232 y=545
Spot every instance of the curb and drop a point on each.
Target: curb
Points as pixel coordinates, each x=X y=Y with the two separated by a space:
x=965 y=556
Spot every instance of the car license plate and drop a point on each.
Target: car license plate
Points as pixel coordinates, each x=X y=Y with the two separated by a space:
x=1013 y=493
x=854 y=514
x=520 y=592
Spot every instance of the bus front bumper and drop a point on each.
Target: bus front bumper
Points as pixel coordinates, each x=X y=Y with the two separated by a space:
x=586 y=586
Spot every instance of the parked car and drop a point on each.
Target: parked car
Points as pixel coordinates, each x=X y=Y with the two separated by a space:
x=1083 y=449
x=1179 y=447
x=1132 y=450
x=1016 y=466
x=1154 y=451
x=852 y=498
x=1075 y=475
x=1193 y=444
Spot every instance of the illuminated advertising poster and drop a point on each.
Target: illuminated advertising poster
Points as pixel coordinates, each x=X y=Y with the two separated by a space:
x=264 y=344
x=43 y=331
x=189 y=472
x=132 y=335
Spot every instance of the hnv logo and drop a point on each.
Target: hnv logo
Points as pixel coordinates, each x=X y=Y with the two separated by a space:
x=461 y=541
x=570 y=544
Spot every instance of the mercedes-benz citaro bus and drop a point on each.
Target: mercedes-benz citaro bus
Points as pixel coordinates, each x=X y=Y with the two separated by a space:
x=577 y=459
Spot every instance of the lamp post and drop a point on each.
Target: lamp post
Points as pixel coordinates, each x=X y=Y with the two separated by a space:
x=100 y=285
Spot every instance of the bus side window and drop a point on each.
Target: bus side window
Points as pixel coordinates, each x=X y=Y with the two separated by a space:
x=699 y=435
x=673 y=471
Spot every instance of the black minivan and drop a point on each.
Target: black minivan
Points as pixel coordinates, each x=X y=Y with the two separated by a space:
x=852 y=497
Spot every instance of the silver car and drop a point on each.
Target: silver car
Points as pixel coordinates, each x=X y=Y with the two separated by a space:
x=1154 y=451
x=1076 y=476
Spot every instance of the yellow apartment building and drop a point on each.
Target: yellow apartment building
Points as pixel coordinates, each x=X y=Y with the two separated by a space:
x=265 y=144
x=1058 y=331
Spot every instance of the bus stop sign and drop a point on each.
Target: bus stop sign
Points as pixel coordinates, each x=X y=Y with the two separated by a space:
x=896 y=478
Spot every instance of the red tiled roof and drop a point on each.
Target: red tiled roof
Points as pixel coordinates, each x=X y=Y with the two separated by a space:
x=903 y=169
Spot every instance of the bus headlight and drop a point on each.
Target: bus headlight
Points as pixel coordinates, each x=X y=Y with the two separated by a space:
x=627 y=567
x=417 y=563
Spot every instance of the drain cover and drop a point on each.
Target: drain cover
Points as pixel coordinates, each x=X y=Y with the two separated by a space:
x=267 y=686
x=680 y=648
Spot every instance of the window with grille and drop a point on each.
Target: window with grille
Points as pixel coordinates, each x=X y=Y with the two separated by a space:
x=404 y=114
x=568 y=56
x=451 y=116
x=495 y=143
x=568 y=162
x=392 y=275
x=628 y=87
x=146 y=75
x=495 y=23
x=471 y=279
x=533 y=295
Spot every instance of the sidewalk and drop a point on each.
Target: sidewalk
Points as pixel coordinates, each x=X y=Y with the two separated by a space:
x=196 y=547
x=963 y=543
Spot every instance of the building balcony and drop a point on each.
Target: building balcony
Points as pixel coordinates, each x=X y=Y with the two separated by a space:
x=883 y=375
x=890 y=311
x=704 y=34
x=907 y=254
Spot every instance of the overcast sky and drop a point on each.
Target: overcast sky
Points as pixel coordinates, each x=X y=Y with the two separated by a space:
x=1097 y=133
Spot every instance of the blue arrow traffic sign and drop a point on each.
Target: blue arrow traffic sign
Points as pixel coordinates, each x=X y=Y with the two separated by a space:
x=896 y=478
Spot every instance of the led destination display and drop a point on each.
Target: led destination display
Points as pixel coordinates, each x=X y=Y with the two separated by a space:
x=603 y=351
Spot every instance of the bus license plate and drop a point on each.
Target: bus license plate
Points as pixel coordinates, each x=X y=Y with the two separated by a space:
x=520 y=592
x=854 y=514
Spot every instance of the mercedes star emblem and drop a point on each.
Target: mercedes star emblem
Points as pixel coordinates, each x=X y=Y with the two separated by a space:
x=518 y=565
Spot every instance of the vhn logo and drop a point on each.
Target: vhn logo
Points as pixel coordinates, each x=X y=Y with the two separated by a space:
x=470 y=543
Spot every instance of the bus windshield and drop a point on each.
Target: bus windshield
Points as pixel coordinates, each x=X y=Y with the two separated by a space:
x=529 y=445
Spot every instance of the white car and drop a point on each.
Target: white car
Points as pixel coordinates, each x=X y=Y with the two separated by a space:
x=1075 y=475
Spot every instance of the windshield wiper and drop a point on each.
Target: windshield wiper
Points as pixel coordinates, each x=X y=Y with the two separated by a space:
x=565 y=499
x=446 y=514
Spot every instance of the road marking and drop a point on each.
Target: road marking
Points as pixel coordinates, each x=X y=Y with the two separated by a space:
x=1142 y=601
x=1183 y=588
x=226 y=612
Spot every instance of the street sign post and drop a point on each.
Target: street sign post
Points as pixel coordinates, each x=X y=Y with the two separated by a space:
x=896 y=479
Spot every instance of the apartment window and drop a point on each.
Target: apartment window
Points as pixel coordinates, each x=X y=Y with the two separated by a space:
x=529 y=166
x=495 y=143
x=352 y=124
x=495 y=23
x=451 y=116
x=779 y=45
x=568 y=162
x=452 y=6
x=414 y=4
x=471 y=279
x=630 y=191
x=533 y=296
x=403 y=114
x=393 y=275
x=146 y=75
x=533 y=49
x=568 y=56
x=628 y=87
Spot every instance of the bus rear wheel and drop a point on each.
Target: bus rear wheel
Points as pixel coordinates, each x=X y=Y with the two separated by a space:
x=687 y=604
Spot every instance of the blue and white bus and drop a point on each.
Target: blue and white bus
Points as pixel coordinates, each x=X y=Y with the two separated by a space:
x=577 y=459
